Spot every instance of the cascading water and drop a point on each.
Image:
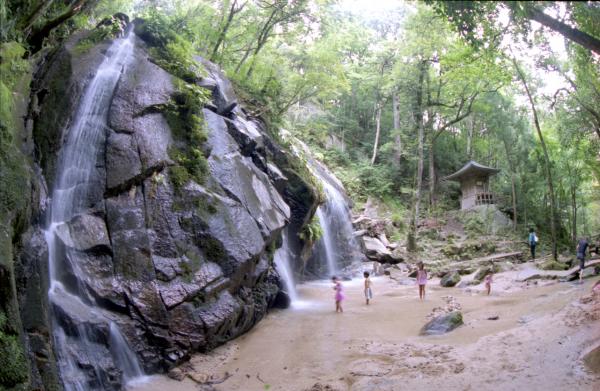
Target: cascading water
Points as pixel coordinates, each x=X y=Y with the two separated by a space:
x=283 y=262
x=337 y=244
x=81 y=347
x=327 y=242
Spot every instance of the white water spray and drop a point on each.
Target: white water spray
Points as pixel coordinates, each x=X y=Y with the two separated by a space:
x=77 y=162
x=334 y=218
x=283 y=262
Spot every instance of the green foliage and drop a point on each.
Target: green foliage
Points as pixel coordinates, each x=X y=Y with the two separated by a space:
x=312 y=231
x=179 y=176
x=110 y=28
x=13 y=363
x=170 y=44
x=474 y=225
x=212 y=248
x=13 y=174
x=185 y=118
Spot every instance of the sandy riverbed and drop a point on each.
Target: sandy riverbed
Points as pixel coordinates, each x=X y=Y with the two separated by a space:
x=536 y=344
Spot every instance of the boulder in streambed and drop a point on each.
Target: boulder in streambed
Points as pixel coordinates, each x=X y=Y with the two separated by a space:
x=450 y=279
x=377 y=251
x=482 y=272
x=553 y=265
x=443 y=323
x=592 y=359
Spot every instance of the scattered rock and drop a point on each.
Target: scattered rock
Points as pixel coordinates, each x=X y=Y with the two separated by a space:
x=377 y=251
x=443 y=324
x=176 y=374
x=450 y=279
x=321 y=387
x=450 y=306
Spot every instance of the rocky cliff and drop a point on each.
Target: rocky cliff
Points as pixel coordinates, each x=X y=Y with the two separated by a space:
x=177 y=254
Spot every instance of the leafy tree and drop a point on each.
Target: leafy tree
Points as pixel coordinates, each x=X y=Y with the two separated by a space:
x=472 y=17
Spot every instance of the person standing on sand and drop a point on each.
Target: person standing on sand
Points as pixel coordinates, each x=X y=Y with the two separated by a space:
x=533 y=241
x=339 y=295
x=421 y=280
x=368 y=292
x=488 y=282
x=582 y=247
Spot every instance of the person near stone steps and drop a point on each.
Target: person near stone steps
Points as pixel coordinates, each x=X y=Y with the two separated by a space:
x=532 y=240
x=582 y=247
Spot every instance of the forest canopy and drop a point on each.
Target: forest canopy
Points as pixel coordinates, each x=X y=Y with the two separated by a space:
x=393 y=97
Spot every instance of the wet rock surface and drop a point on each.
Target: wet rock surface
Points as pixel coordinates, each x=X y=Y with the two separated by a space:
x=179 y=270
x=450 y=279
x=443 y=323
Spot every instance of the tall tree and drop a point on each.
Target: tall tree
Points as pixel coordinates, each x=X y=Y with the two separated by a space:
x=411 y=239
x=471 y=18
x=547 y=162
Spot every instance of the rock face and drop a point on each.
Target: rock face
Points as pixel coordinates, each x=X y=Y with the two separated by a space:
x=376 y=250
x=450 y=279
x=178 y=269
x=443 y=323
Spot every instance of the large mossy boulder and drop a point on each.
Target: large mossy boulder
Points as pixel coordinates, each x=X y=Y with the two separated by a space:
x=443 y=323
x=484 y=271
x=450 y=279
x=470 y=249
x=175 y=240
x=553 y=265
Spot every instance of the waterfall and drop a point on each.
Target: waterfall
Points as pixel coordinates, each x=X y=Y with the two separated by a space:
x=81 y=345
x=337 y=245
x=327 y=242
x=283 y=262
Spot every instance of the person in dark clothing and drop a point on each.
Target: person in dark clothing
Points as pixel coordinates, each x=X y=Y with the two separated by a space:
x=532 y=240
x=582 y=247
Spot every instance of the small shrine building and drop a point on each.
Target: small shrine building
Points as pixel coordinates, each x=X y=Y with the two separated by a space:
x=474 y=181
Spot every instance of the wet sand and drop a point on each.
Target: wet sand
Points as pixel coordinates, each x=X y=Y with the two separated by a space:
x=535 y=344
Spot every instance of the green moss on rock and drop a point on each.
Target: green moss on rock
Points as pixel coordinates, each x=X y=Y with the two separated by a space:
x=184 y=116
x=13 y=364
x=553 y=265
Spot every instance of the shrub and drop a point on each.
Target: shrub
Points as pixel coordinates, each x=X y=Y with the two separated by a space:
x=312 y=231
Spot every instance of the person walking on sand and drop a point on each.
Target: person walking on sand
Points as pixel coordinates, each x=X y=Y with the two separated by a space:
x=368 y=292
x=533 y=241
x=488 y=282
x=582 y=247
x=339 y=295
x=421 y=280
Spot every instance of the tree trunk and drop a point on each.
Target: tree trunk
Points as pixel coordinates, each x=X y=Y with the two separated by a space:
x=377 y=131
x=512 y=183
x=432 y=178
x=37 y=37
x=223 y=33
x=547 y=163
x=574 y=212
x=575 y=35
x=397 y=138
x=243 y=60
x=584 y=218
x=411 y=240
x=470 y=131
x=41 y=8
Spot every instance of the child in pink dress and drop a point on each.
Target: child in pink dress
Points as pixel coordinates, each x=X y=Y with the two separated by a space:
x=339 y=294
x=421 y=280
x=488 y=283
